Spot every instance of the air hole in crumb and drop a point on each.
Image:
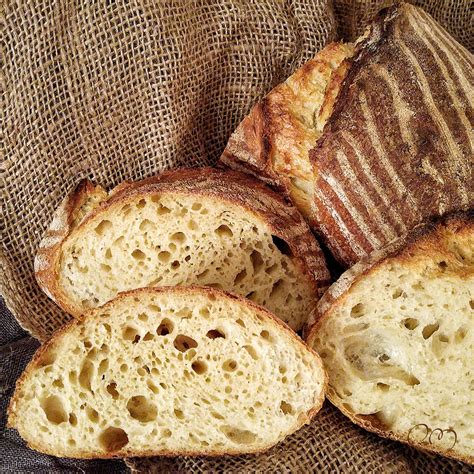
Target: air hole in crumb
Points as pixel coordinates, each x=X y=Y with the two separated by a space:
x=102 y=227
x=228 y=389
x=47 y=358
x=277 y=288
x=429 y=330
x=266 y=335
x=86 y=374
x=282 y=246
x=106 y=268
x=216 y=415
x=383 y=386
x=224 y=231
x=72 y=419
x=229 y=365
x=183 y=343
x=257 y=260
x=92 y=414
x=164 y=256
x=460 y=334
x=178 y=237
x=103 y=367
x=179 y=414
x=238 y=436
x=200 y=367
x=240 y=322
x=384 y=358
x=113 y=439
x=124 y=368
x=252 y=352
x=54 y=410
x=215 y=334
x=143 y=317
x=410 y=323
x=286 y=408
x=166 y=327
x=167 y=433
x=58 y=383
x=137 y=254
x=148 y=336
x=130 y=333
x=141 y=204
x=442 y=265
x=471 y=304
x=175 y=264
x=357 y=310
x=141 y=409
x=152 y=386
x=443 y=338
x=196 y=206
x=397 y=293
x=240 y=276
x=108 y=254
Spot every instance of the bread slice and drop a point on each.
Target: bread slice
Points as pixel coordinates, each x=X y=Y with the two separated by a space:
x=168 y=371
x=396 y=334
x=191 y=226
x=391 y=141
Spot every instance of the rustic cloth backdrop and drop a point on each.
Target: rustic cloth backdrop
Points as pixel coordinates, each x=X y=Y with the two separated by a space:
x=113 y=90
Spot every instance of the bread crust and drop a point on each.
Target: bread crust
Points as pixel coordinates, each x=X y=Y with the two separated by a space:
x=421 y=243
x=397 y=145
x=94 y=313
x=70 y=213
x=229 y=186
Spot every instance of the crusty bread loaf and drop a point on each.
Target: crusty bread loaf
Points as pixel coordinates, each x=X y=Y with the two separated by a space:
x=397 y=145
x=396 y=334
x=190 y=226
x=274 y=140
x=182 y=370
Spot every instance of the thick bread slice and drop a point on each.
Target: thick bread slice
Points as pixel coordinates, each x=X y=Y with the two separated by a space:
x=396 y=334
x=190 y=226
x=397 y=146
x=168 y=371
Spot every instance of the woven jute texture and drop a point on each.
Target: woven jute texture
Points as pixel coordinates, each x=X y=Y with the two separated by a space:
x=111 y=90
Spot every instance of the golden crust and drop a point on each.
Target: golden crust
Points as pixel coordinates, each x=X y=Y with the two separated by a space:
x=283 y=219
x=92 y=314
x=274 y=140
x=71 y=212
x=422 y=243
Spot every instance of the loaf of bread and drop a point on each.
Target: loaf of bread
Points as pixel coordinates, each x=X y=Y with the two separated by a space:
x=168 y=371
x=396 y=335
x=190 y=226
x=372 y=139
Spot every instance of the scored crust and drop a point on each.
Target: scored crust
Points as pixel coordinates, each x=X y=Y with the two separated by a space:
x=94 y=313
x=274 y=140
x=392 y=147
x=226 y=186
x=422 y=242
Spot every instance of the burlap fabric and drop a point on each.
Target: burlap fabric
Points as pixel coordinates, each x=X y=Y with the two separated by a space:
x=112 y=91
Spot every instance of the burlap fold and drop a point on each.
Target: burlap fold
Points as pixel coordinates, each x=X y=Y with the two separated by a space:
x=114 y=90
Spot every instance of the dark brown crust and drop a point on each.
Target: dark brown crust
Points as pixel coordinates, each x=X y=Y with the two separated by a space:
x=432 y=178
x=236 y=188
x=423 y=240
x=396 y=150
x=211 y=292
